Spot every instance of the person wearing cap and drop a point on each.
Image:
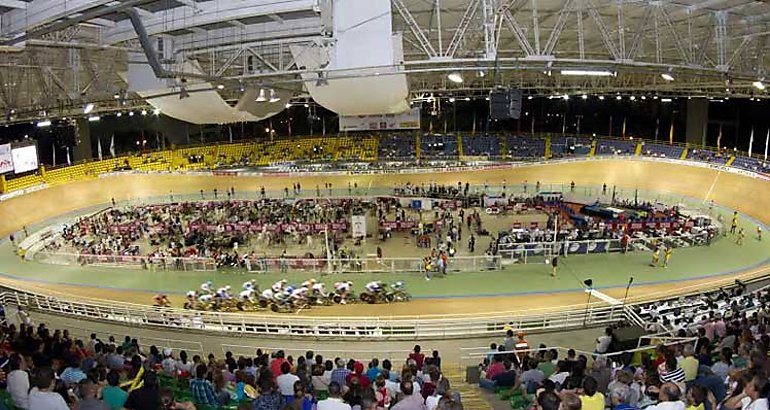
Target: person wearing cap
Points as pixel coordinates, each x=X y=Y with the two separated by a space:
x=168 y=365
x=521 y=346
x=358 y=374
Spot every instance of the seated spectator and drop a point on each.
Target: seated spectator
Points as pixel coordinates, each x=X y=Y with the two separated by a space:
x=409 y=399
x=88 y=400
x=17 y=381
x=548 y=400
x=619 y=397
x=591 y=399
x=202 y=390
x=725 y=363
x=696 y=398
x=112 y=394
x=168 y=401
x=42 y=396
x=669 y=398
x=183 y=365
x=269 y=397
x=334 y=402
x=531 y=377
x=689 y=364
x=146 y=397
x=496 y=368
x=560 y=374
x=72 y=374
x=569 y=401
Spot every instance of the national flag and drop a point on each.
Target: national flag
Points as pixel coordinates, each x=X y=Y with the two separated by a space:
x=99 y=148
x=69 y=162
x=623 y=133
x=751 y=141
x=767 y=139
x=112 y=145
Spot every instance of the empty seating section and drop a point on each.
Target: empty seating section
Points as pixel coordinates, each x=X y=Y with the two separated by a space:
x=439 y=146
x=397 y=146
x=616 y=147
x=751 y=164
x=706 y=155
x=481 y=146
x=569 y=146
x=524 y=147
x=368 y=148
x=652 y=149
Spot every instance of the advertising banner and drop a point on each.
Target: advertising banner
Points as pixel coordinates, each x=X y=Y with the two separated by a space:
x=6 y=160
x=409 y=120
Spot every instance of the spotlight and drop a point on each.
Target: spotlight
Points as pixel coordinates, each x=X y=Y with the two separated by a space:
x=221 y=86
x=451 y=99
x=261 y=97
x=88 y=108
x=601 y=97
x=619 y=98
x=585 y=97
x=530 y=97
x=45 y=123
x=287 y=105
x=588 y=73
x=94 y=118
x=455 y=78
x=667 y=77
x=273 y=97
x=144 y=112
x=130 y=113
x=156 y=111
x=759 y=85
x=120 y=114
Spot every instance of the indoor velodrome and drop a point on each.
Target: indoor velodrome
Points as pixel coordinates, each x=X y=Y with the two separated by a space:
x=384 y=204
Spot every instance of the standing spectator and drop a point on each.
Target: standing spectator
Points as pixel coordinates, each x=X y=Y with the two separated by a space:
x=340 y=374
x=320 y=378
x=286 y=382
x=269 y=399
x=418 y=357
x=202 y=390
x=169 y=363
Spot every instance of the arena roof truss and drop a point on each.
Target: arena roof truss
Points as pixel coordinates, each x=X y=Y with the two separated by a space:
x=57 y=55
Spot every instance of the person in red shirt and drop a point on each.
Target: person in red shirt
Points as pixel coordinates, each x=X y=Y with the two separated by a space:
x=358 y=374
x=275 y=365
x=418 y=357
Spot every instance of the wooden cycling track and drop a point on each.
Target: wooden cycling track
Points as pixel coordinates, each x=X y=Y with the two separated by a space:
x=750 y=196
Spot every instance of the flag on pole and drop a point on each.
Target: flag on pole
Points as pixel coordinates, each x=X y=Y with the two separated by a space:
x=719 y=138
x=671 y=134
x=99 y=148
x=112 y=145
x=767 y=139
x=657 y=128
x=623 y=134
x=53 y=146
x=751 y=141
x=69 y=162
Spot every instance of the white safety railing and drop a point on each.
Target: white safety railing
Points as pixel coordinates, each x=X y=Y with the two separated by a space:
x=127 y=261
x=383 y=328
x=372 y=265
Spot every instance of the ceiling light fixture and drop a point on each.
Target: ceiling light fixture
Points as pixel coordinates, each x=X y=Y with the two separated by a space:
x=665 y=100
x=759 y=85
x=88 y=108
x=94 y=118
x=261 y=97
x=589 y=73
x=273 y=97
x=667 y=76
x=455 y=78
x=45 y=123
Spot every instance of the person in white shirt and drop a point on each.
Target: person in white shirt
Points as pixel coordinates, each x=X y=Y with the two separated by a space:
x=603 y=342
x=18 y=381
x=42 y=395
x=751 y=398
x=670 y=397
x=334 y=402
x=169 y=363
x=286 y=381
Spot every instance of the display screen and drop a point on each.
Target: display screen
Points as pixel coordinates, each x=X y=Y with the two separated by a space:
x=24 y=159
